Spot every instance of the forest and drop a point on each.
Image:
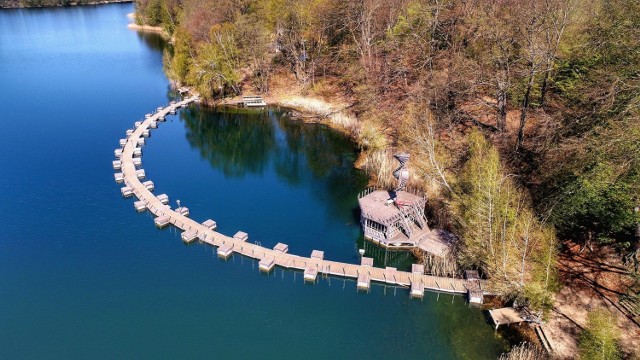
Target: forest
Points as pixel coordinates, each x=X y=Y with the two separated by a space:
x=522 y=117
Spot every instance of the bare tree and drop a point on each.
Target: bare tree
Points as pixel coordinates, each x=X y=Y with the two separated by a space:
x=558 y=15
x=531 y=33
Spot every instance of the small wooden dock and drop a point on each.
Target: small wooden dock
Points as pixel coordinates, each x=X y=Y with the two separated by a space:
x=363 y=273
x=253 y=101
x=505 y=316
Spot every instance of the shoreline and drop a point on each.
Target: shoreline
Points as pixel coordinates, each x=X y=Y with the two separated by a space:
x=147 y=28
x=311 y=110
x=93 y=3
x=308 y=109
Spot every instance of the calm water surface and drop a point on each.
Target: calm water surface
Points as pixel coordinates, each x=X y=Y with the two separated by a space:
x=83 y=276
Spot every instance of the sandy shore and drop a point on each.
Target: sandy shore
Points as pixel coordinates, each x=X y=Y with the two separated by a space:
x=146 y=28
x=155 y=29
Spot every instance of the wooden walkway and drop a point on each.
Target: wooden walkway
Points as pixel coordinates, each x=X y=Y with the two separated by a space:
x=132 y=180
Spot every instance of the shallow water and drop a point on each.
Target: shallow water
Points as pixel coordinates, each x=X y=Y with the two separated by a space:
x=83 y=276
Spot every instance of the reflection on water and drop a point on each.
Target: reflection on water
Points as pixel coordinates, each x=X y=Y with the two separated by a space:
x=153 y=40
x=229 y=141
x=239 y=142
x=249 y=142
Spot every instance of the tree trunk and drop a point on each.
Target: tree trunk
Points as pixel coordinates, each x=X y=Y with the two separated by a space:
x=543 y=89
x=636 y=261
x=501 y=97
x=523 y=114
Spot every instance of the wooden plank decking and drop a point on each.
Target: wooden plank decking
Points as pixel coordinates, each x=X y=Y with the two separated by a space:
x=207 y=234
x=505 y=316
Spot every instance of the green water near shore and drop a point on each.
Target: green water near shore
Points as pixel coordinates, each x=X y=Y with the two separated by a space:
x=83 y=276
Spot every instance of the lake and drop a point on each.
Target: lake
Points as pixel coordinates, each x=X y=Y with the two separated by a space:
x=82 y=275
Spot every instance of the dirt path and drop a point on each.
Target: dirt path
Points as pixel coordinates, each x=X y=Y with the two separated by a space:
x=592 y=280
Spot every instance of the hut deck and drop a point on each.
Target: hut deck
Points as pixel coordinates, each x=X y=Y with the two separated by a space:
x=378 y=204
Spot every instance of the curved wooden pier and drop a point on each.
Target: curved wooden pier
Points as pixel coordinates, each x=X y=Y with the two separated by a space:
x=364 y=273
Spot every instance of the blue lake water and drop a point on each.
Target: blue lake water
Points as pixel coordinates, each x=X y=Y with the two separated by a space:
x=82 y=275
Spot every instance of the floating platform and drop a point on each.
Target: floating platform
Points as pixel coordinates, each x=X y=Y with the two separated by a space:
x=364 y=281
x=162 y=221
x=119 y=177
x=225 y=251
x=417 y=290
x=417 y=269
x=267 y=264
x=475 y=295
x=283 y=248
x=126 y=191
x=366 y=261
x=149 y=185
x=210 y=224
x=311 y=273
x=317 y=254
x=163 y=198
x=241 y=235
x=183 y=210
x=189 y=236
x=140 y=206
